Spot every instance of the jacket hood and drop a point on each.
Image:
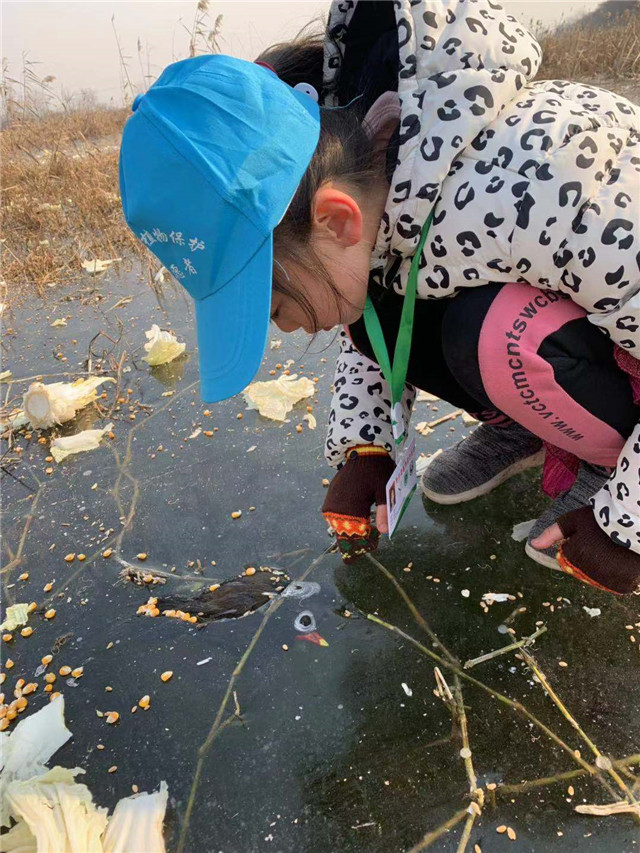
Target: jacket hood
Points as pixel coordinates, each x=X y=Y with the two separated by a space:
x=455 y=65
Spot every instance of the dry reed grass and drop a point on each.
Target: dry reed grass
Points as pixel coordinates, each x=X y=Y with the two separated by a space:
x=60 y=193
x=606 y=46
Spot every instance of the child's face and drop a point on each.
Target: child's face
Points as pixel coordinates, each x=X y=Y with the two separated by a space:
x=342 y=237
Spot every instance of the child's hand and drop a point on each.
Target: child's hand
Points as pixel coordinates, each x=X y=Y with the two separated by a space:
x=587 y=553
x=360 y=483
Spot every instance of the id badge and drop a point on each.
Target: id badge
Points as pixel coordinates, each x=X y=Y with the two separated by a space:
x=401 y=486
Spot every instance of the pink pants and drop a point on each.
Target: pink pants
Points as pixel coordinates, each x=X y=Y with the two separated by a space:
x=540 y=365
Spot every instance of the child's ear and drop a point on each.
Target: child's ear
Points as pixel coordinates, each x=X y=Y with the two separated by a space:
x=338 y=215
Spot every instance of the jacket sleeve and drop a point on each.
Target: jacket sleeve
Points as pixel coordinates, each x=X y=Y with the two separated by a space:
x=361 y=406
x=617 y=504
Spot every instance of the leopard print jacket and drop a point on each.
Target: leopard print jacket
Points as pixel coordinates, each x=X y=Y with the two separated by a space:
x=530 y=181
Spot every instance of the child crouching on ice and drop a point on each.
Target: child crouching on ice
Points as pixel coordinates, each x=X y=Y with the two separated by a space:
x=413 y=138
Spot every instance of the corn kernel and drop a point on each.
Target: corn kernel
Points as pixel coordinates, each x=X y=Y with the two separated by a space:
x=142 y=556
x=112 y=717
x=48 y=688
x=166 y=675
x=8 y=663
x=30 y=688
x=236 y=514
x=78 y=672
x=50 y=677
x=27 y=632
x=24 y=576
x=107 y=553
x=82 y=557
x=64 y=670
x=50 y=613
x=69 y=558
x=250 y=571
x=144 y=702
x=46 y=660
x=47 y=587
x=7 y=637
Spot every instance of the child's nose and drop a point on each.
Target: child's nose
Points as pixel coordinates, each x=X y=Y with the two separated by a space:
x=286 y=325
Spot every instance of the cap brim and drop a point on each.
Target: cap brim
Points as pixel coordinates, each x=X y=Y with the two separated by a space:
x=232 y=327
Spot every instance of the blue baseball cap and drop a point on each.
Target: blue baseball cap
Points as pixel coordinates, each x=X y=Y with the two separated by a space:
x=209 y=162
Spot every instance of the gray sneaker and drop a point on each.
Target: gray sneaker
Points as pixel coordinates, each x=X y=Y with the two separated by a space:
x=590 y=478
x=480 y=462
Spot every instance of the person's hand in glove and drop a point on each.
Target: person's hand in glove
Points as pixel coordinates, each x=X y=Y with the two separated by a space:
x=587 y=553
x=359 y=484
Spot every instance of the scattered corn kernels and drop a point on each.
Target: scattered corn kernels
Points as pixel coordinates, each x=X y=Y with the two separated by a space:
x=31 y=607
x=112 y=769
x=30 y=688
x=64 y=670
x=48 y=688
x=82 y=557
x=236 y=514
x=142 y=556
x=7 y=637
x=250 y=571
x=47 y=587
x=8 y=663
x=27 y=632
x=50 y=677
x=78 y=672
x=212 y=588
x=69 y=558
x=144 y=702
x=112 y=717
x=46 y=660
x=166 y=675
x=50 y=613
x=24 y=576
x=107 y=553
x=53 y=695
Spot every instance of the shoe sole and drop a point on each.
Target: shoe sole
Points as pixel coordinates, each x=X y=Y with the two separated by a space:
x=484 y=489
x=540 y=557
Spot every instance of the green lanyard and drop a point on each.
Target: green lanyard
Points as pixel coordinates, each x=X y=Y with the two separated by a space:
x=396 y=374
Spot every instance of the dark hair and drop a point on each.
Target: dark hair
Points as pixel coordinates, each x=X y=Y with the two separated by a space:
x=344 y=152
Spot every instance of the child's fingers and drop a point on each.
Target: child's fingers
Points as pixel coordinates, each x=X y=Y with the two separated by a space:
x=382 y=520
x=548 y=537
